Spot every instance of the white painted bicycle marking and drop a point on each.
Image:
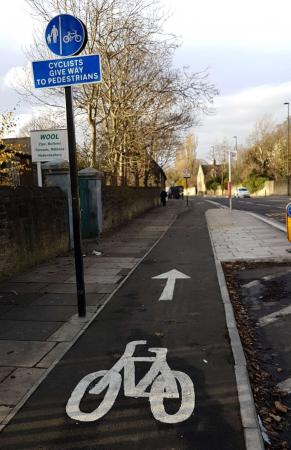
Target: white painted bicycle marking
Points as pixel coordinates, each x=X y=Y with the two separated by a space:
x=276 y=315
x=161 y=380
x=171 y=278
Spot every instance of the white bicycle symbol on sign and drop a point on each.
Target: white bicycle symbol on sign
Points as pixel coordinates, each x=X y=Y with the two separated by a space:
x=72 y=36
x=160 y=378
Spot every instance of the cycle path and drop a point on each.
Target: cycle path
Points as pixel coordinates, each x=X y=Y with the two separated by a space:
x=191 y=327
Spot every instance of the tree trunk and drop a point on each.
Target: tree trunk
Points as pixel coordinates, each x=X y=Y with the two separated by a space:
x=93 y=143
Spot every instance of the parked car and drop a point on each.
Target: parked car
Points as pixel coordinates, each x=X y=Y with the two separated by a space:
x=241 y=192
x=176 y=192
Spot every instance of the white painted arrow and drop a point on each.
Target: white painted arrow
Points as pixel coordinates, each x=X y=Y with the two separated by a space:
x=171 y=278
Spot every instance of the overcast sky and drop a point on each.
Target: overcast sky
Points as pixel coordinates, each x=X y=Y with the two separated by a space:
x=246 y=46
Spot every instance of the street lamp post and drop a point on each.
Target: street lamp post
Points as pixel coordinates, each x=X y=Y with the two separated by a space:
x=288 y=181
x=235 y=137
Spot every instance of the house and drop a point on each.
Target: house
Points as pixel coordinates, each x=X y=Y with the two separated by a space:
x=207 y=172
x=17 y=171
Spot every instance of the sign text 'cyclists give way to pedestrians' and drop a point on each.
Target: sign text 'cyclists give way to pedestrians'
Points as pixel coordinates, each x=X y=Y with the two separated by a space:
x=65 y=35
x=67 y=71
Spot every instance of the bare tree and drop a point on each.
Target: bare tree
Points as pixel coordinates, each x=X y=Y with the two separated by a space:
x=143 y=104
x=186 y=159
x=45 y=121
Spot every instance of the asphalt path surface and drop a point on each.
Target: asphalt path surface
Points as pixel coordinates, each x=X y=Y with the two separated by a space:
x=128 y=411
x=272 y=207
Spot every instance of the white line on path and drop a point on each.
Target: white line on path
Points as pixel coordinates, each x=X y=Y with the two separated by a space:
x=262 y=204
x=216 y=203
x=285 y=385
x=171 y=278
x=270 y=318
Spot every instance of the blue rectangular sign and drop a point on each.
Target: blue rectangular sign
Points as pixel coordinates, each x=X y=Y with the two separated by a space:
x=67 y=71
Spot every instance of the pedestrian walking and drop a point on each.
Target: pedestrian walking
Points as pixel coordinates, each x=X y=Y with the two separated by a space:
x=163 y=196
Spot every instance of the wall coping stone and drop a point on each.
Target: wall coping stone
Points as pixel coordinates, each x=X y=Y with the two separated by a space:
x=56 y=166
x=90 y=172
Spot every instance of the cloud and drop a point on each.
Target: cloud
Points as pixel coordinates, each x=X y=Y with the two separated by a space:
x=16 y=24
x=16 y=76
x=251 y=24
x=237 y=114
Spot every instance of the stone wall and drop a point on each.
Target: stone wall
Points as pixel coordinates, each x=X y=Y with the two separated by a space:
x=277 y=187
x=33 y=227
x=122 y=203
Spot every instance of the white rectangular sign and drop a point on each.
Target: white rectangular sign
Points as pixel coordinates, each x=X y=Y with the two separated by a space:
x=49 y=145
x=186 y=173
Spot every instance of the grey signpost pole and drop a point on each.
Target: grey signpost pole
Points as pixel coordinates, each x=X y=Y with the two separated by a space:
x=186 y=175
x=186 y=191
x=79 y=269
x=229 y=181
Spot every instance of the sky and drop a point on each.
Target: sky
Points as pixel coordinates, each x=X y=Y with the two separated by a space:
x=244 y=45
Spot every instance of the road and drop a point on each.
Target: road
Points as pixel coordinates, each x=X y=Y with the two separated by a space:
x=273 y=207
x=153 y=371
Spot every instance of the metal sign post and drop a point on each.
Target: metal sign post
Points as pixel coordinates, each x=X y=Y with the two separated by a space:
x=186 y=175
x=79 y=269
x=66 y=35
x=39 y=174
x=229 y=181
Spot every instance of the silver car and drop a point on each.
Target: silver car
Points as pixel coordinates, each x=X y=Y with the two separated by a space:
x=241 y=192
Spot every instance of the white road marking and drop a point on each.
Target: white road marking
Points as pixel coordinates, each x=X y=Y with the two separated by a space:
x=158 y=383
x=171 y=278
x=270 y=318
x=262 y=204
x=285 y=385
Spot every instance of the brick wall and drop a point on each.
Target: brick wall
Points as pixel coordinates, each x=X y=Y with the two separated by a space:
x=122 y=203
x=33 y=227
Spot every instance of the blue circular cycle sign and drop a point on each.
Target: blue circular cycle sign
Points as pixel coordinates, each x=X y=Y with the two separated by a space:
x=288 y=209
x=65 y=35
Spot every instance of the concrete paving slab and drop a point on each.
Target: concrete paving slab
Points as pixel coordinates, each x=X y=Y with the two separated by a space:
x=100 y=271
x=23 y=353
x=22 y=287
x=69 y=288
x=66 y=332
x=22 y=330
x=4 y=372
x=103 y=288
x=19 y=299
x=16 y=385
x=252 y=241
x=113 y=260
x=66 y=299
x=104 y=265
x=55 y=354
x=98 y=278
x=43 y=277
x=103 y=279
x=4 y=412
x=40 y=313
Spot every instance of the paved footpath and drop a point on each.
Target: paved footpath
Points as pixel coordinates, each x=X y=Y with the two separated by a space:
x=38 y=313
x=154 y=369
x=238 y=235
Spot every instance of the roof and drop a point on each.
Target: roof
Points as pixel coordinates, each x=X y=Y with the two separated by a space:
x=208 y=167
x=23 y=143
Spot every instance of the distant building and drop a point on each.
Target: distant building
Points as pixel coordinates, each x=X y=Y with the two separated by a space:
x=205 y=173
x=22 y=154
